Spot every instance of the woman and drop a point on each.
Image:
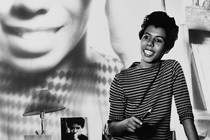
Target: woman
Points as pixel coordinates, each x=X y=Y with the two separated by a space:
x=141 y=95
x=43 y=45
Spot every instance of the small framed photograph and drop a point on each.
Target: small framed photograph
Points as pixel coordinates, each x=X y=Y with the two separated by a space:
x=74 y=128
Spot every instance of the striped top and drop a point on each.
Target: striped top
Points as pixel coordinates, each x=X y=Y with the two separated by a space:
x=136 y=90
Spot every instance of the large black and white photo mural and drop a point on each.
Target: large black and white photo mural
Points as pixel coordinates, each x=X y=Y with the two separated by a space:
x=59 y=57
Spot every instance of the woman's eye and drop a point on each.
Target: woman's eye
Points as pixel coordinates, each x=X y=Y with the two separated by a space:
x=159 y=40
x=146 y=37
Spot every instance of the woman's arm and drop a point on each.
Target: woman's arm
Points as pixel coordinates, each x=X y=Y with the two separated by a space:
x=122 y=127
x=117 y=106
x=190 y=129
x=183 y=103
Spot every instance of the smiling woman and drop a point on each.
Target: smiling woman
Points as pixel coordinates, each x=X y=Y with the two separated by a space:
x=152 y=43
x=44 y=46
x=37 y=36
x=151 y=83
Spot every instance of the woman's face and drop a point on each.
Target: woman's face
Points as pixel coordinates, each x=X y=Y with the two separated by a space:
x=152 y=44
x=37 y=34
x=76 y=128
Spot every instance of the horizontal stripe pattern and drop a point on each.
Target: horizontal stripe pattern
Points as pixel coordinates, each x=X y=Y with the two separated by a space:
x=134 y=91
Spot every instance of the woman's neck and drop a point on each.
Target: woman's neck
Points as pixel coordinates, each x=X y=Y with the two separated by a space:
x=144 y=64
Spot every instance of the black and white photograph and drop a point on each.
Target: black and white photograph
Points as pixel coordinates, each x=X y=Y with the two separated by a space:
x=104 y=69
x=74 y=128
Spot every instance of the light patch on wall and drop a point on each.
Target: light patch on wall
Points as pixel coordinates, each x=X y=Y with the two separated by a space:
x=98 y=33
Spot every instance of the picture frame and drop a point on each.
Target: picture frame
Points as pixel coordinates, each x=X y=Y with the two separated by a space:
x=74 y=127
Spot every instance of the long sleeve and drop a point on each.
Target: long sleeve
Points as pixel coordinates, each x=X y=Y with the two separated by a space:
x=181 y=94
x=117 y=101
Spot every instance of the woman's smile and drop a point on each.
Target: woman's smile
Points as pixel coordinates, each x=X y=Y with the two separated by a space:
x=36 y=35
x=148 y=53
x=23 y=39
x=24 y=32
x=152 y=44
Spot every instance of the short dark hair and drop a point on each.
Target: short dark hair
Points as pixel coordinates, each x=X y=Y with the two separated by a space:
x=78 y=120
x=161 y=19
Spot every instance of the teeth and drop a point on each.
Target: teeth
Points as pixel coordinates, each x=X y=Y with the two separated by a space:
x=148 y=52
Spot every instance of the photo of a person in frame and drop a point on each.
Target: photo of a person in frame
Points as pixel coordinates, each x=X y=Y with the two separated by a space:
x=73 y=128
